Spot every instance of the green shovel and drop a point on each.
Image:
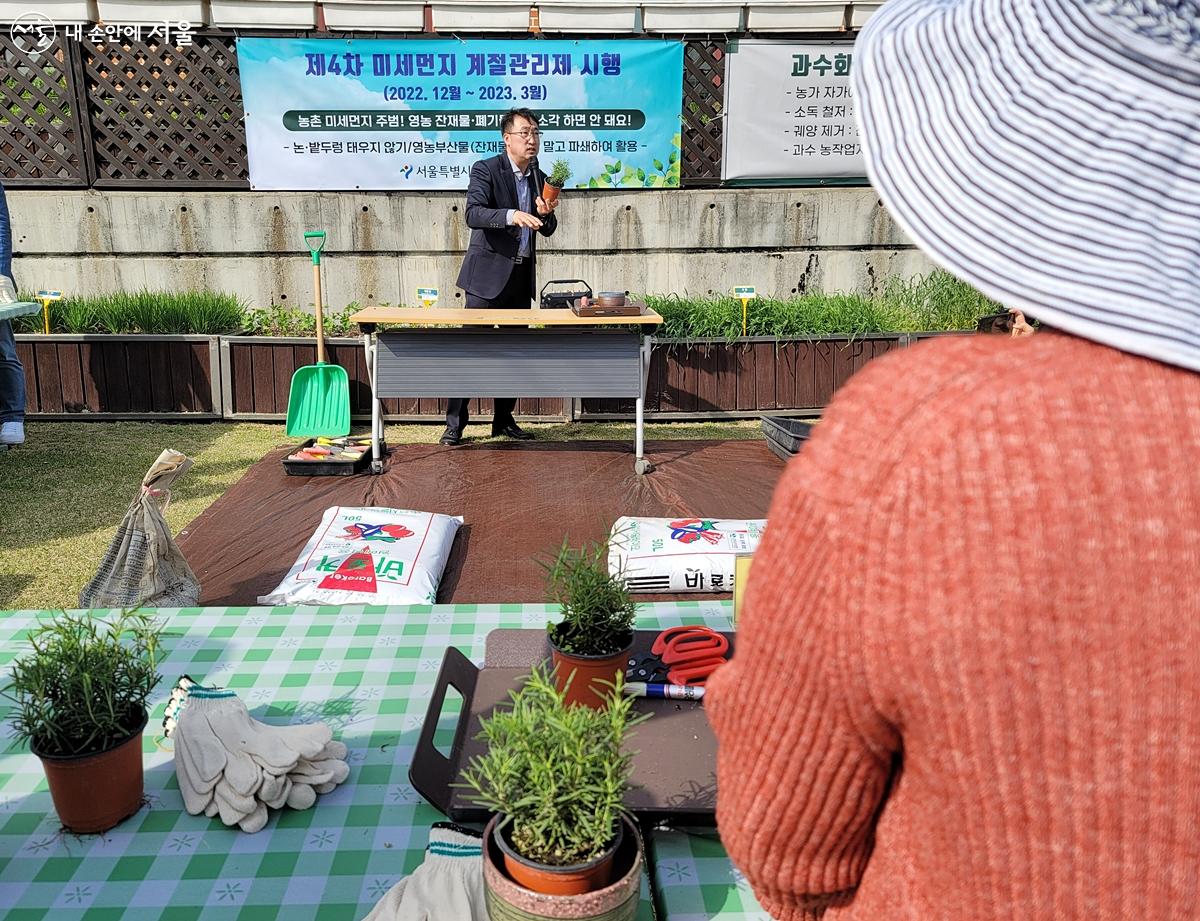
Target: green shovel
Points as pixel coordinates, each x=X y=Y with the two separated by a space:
x=319 y=401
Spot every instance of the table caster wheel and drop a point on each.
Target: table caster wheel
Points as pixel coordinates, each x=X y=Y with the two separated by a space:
x=641 y=465
x=377 y=467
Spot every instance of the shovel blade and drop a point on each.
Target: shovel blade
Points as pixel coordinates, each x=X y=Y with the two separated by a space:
x=319 y=402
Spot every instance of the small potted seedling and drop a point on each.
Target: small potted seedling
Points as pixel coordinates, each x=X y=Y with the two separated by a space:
x=560 y=172
x=590 y=645
x=556 y=776
x=80 y=695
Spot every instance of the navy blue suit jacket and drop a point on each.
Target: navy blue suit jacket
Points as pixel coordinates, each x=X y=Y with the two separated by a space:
x=494 y=244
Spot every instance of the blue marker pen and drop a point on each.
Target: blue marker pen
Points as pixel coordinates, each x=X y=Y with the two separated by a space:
x=668 y=691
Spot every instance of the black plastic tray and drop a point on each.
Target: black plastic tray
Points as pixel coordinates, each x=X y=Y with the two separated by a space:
x=328 y=467
x=674 y=769
x=787 y=433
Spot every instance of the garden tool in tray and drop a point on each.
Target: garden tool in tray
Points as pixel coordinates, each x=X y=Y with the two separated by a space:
x=319 y=401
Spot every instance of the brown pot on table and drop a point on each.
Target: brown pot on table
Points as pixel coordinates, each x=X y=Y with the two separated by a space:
x=615 y=900
x=588 y=680
x=97 y=791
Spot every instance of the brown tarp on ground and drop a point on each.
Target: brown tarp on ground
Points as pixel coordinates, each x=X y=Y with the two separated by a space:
x=518 y=500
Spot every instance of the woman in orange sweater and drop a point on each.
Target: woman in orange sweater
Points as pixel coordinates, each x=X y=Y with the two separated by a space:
x=966 y=683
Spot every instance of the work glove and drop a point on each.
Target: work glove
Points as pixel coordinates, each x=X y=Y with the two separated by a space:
x=447 y=886
x=230 y=765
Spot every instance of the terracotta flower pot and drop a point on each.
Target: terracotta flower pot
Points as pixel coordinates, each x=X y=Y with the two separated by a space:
x=550 y=192
x=507 y=900
x=95 y=792
x=587 y=674
x=551 y=880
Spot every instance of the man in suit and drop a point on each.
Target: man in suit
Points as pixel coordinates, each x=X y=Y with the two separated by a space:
x=505 y=212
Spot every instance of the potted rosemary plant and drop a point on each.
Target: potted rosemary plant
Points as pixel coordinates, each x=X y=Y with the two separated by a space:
x=557 y=776
x=80 y=695
x=557 y=178
x=590 y=645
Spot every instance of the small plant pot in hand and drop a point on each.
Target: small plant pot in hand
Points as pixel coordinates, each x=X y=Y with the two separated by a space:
x=588 y=680
x=95 y=792
x=560 y=172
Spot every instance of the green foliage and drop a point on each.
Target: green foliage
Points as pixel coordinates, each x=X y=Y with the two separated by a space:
x=556 y=772
x=629 y=176
x=83 y=686
x=145 y=311
x=598 y=613
x=287 y=321
x=937 y=301
x=560 y=172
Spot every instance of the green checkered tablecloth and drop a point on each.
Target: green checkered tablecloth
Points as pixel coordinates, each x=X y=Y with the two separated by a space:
x=696 y=881
x=366 y=671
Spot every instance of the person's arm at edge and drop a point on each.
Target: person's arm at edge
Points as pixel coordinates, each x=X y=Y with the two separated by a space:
x=804 y=760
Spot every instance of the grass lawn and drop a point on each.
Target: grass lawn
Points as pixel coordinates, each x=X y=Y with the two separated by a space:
x=63 y=493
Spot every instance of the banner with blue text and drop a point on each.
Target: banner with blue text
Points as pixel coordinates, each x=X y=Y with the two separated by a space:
x=334 y=114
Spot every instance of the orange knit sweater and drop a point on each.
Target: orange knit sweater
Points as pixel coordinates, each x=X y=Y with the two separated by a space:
x=967 y=684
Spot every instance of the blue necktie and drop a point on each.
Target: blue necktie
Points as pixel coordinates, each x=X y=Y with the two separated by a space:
x=523 y=202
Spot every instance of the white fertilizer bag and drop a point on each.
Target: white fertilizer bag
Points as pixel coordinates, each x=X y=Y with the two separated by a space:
x=680 y=554
x=370 y=556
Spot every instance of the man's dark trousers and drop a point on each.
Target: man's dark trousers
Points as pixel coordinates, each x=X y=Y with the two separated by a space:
x=514 y=296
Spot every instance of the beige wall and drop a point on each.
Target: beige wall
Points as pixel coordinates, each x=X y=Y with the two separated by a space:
x=383 y=245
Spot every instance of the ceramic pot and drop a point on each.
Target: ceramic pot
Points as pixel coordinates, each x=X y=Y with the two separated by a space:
x=507 y=900
x=95 y=792
x=587 y=674
x=549 y=192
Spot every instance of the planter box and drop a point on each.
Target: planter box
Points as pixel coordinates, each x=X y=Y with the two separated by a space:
x=576 y=16
x=697 y=16
x=154 y=12
x=480 y=16
x=720 y=379
x=382 y=15
x=264 y=14
x=126 y=376
x=256 y=379
x=796 y=16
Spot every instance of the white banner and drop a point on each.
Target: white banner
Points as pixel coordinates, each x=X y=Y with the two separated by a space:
x=789 y=111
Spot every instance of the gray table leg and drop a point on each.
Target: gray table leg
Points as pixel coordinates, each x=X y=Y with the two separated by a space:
x=376 y=407
x=640 y=464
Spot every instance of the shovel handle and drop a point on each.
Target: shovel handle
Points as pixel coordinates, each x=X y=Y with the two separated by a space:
x=320 y=315
x=316 y=242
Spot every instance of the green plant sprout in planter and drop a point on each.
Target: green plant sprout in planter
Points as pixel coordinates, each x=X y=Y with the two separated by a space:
x=80 y=696
x=556 y=774
x=592 y=641
x=560 y=172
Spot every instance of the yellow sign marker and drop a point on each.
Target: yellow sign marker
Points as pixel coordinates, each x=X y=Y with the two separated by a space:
x=744 y=293
x=46 y=297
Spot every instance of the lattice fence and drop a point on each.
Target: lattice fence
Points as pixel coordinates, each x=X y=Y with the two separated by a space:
x=703 y=104
x=41 y=141
x=166 y=115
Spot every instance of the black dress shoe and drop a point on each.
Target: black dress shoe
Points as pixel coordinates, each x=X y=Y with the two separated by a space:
x=512 y=430
x=450 y=438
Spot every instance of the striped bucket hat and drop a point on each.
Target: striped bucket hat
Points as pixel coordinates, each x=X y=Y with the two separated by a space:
x=1048 y=152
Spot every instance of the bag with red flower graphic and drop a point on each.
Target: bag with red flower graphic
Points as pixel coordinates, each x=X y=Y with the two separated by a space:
x=370 y=556
x=680 y=554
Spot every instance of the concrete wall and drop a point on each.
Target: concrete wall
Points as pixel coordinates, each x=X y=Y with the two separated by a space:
x=383 y=245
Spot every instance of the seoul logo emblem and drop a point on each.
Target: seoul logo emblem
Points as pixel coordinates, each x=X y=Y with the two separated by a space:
x=34 y=26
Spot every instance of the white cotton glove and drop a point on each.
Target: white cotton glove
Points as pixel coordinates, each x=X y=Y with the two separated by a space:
x=447 y=886
x=234 y=767
x=270 y=747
